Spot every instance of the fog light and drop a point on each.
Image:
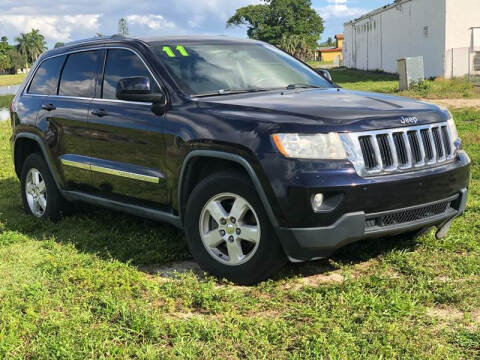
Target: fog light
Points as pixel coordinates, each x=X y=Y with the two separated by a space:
x=317 y=201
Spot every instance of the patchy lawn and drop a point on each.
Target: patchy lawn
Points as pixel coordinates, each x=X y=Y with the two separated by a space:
x=11 y=79
x=388 y=83
x=319 y=64
x=90 y=287
x=5 y=101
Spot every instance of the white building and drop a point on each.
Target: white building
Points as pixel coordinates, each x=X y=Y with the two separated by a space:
x=445 y=32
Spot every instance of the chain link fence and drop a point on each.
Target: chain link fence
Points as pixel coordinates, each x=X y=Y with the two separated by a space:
x=464 y=62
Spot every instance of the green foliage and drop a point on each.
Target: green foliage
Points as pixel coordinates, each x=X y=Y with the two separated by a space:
x=85 y=288
x=422 y=88
x=456 y=88
x=16 y=60
x=59 y=44
x=31 y=45
x=284 y=23
x=29 y=48
x=5 y=62
x=5 y=101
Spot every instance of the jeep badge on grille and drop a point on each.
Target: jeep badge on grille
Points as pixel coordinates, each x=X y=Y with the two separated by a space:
x=408 y=120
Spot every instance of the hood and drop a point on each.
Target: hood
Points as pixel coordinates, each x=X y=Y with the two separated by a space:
x=333 y=109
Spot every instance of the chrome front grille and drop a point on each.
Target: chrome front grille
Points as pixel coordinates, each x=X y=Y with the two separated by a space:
x=389 y=151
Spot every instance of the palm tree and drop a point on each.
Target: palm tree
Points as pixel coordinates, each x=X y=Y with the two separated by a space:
x=23 y=46
x=38 y=43
x=31 y=45
x=123 y=27
x=296 y=45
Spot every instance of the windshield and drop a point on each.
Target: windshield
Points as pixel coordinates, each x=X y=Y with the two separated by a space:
x=210 y=69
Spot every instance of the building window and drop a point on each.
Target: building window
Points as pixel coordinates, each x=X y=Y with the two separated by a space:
x=425 y=31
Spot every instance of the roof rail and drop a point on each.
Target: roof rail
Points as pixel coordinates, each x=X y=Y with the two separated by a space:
x=96 y=38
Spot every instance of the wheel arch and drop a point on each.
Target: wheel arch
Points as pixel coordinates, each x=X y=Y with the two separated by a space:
x=27 y=143
x=240 y=163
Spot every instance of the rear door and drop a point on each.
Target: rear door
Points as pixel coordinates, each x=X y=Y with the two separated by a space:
x=126 y=146
x=43 y=84
x=67 y=114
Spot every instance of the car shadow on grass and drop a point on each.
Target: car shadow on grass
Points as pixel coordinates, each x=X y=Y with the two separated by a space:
x=153 y=247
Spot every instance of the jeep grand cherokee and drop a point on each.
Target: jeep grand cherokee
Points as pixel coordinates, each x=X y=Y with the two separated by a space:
x=258 y=157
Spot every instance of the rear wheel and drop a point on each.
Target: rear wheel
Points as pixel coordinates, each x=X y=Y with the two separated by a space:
x=40 y=195
x=228 y=231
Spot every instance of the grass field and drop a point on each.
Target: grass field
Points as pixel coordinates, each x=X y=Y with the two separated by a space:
x=83 y=288
x=388 y=83
x=317 y=64
x=11 y=79
x=5 y=101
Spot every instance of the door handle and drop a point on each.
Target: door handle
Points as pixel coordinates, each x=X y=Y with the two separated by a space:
x=48 y=107
x=99 y=112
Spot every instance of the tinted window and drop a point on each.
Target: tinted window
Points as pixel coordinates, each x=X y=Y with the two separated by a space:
x=45 y=81
x=210 y=68
x=78 y=76
x=121 y=64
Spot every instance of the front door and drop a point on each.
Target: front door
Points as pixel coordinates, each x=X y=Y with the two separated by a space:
x=126 y=147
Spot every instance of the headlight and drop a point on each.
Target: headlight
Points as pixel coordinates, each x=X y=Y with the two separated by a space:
x=453 y=129
x=316 y=146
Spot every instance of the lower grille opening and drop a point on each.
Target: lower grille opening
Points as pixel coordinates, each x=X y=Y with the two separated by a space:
x=409 y=216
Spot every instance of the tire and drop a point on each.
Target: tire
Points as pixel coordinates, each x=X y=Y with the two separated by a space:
x=259 y=257
x=42 y=200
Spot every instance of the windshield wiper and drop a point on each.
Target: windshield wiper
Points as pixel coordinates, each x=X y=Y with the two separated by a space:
x=230 y=92
x=303 y=86
x=252 y=90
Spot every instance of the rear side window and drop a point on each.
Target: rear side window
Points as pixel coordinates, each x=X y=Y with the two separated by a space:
x=121 y=64
x=45 y=80
x=78 y=75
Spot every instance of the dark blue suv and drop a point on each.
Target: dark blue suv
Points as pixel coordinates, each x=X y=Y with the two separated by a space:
x=258 y=157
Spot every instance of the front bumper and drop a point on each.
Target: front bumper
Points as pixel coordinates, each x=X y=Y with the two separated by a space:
x=358 y=207
x=310 y=243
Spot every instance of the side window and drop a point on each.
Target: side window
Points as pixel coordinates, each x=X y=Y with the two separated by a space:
x=78 y=76
x=121 y=64
x=45 y=80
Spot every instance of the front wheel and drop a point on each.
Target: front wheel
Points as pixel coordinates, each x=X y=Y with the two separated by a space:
x=228 y=231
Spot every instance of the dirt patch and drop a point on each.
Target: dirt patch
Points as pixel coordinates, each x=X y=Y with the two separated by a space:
x=172 y=270
x=320 y=279
x=446 y=314
x=455 y=103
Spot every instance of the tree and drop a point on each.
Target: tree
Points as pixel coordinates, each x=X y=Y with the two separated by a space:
x=58 y=44
x=284 y=23
x=31 y=45
x=329 y=41
x=123 y=27
x=4 y=41
x=16 y=60
x=37 y=43
x=4 y=63
x=297 y=46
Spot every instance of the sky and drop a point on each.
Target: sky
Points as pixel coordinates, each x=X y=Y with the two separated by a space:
x=67 y=20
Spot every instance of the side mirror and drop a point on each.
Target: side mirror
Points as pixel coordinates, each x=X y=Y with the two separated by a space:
x=137 y=88
x=326 y=74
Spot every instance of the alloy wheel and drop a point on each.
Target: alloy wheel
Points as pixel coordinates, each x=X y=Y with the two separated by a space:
x=36 y=192
x=230 y=229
